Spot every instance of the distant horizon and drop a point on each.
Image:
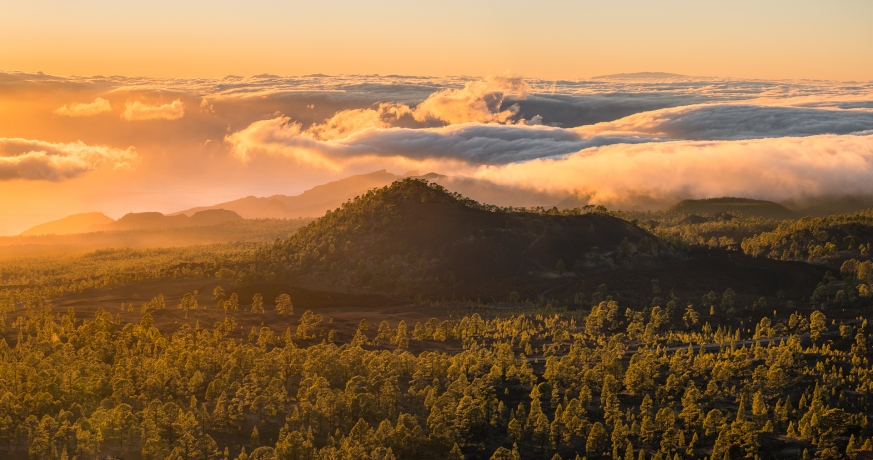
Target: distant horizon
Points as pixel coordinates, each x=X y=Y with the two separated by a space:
x=629 y=75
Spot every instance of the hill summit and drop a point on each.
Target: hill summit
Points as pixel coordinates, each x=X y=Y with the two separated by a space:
x=414 y=236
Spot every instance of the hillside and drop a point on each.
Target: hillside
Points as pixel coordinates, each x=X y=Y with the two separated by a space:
x=76 y=223
x=826 y=240
x=414 y=236
x=747 y=207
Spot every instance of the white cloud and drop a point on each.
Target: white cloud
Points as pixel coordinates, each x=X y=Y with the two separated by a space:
x=367 y=132
x=473 y=143
x=735 y=121
x=775 y=169
x=83 y=109
x=139 y=111
x=39 y=160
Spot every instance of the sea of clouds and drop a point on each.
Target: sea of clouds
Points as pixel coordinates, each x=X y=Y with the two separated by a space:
x=628 y=142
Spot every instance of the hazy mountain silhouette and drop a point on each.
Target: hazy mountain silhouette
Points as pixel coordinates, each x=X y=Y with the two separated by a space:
x=316 y=201
x=639 y=76
x=76 y=223
x=311 y=203
x=139 y=220
x=98 y=222
x=748 y=207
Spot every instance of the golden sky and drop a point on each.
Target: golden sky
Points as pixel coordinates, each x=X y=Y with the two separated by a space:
x=772 y=39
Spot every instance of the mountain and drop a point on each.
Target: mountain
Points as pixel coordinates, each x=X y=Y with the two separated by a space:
x=311 y=203
x=143 y=220
x=639 y=76
x=417 y=237
x=76 y=223
x=98 y=222
x=748 y=208
x=316 y=201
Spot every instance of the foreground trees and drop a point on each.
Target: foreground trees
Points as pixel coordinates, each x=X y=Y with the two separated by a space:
x=74 y=387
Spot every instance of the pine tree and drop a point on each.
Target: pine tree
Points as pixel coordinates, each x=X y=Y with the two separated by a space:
x=597 y=440
x=257 y=303
x=284 y=305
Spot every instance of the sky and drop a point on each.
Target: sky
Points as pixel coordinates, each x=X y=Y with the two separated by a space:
x=162 y=106
x=774 y=39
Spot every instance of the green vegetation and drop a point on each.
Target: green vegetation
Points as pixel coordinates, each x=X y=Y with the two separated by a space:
x=817 y=239
x=247 y=369
x=413 y=237
x=611 y=382
x=50 y=277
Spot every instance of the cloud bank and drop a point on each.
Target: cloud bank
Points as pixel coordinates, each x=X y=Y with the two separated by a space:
x=140 y=111
x=38 y=160
x=83 y=109
x=774 y=169
x=363 y=133
x=735 y=121
x=783 y=149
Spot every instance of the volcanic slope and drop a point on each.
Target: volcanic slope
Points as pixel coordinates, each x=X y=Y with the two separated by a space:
x=416 y=237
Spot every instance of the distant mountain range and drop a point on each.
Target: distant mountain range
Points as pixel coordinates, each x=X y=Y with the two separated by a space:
x=98 y=222
x=639 y=76
x=316 y=201
x=311 y=203
x=77 y=223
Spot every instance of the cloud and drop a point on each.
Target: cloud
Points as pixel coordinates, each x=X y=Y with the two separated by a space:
x=38 y=160
x=138 y=111
x=735 y=121
x=82 y=109
x=473 y=143
x=351 y=134
x=776 y=169
x=478 y=101
x=350 y=122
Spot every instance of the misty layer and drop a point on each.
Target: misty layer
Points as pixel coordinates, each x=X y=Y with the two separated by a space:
x=659 y=173
x=38 y=160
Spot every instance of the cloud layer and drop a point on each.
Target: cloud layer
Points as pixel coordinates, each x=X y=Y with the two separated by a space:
x=782 y=148
x=363 y=133
x=83 y=109
x=37 y=160
x=140 y=111
x=776 y=169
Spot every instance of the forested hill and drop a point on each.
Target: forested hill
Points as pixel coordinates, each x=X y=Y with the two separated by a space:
x=416 y=237
x=828 y=240
x=745 y=206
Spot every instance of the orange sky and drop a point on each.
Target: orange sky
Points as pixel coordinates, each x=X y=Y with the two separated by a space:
x=560 y=39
